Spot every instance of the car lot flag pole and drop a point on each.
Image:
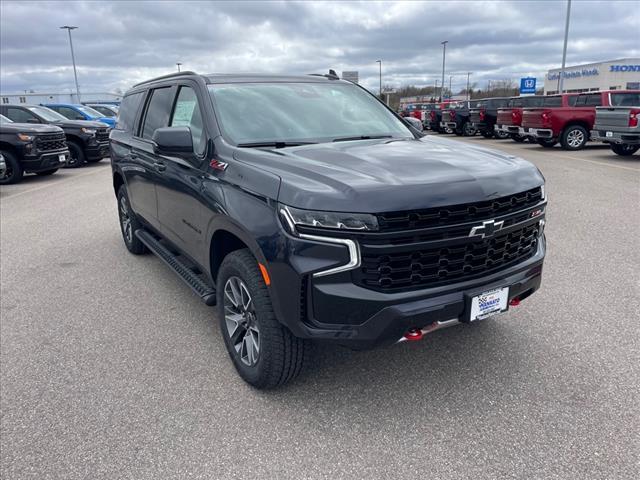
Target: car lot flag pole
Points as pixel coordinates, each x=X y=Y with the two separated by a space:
x=73 y=58
x=468 y=93
x=564 y=49
x=444 y=52
x=379 y=62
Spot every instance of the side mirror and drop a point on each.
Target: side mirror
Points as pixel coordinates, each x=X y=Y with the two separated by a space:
x=173 y=141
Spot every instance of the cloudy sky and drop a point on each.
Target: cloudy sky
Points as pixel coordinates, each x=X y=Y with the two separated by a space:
x=119 y=43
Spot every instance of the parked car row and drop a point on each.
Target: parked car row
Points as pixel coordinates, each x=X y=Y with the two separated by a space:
x=39 y=139
x=569 y=119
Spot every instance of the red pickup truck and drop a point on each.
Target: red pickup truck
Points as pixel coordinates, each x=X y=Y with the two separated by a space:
x=509 y=118
x=570 y=121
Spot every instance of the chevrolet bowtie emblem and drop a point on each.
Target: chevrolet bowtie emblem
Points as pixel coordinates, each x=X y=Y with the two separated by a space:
x=487 y=229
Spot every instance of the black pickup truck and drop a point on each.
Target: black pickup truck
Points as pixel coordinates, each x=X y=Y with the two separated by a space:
x=25 y=148
x=458 y=120
x=484 y=114
x=88 y=141
x=324 y=218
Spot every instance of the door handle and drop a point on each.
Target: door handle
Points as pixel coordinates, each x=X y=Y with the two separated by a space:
x=159 y=166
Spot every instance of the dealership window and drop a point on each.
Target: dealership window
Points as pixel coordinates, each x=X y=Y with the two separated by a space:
x=23 y=100
x=5 y=99
x=613 y=87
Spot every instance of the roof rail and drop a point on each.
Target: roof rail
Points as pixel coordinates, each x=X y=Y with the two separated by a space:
x=170 y=75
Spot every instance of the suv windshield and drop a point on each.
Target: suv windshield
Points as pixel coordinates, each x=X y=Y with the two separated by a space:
x=628 y=99
x=4 y=119
x=48 y=114
x=301 y=112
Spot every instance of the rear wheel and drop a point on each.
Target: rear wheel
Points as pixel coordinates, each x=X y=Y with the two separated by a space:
x=94 y=160
x=129 y=224
x=47 y=172
x=76 y=155
x=501 y=135
x=625 y=149
x=468 y=130
x=574 y=137
x=263 y=351
x=546 y=142
x=517 y=138
x=13 y=172
x=487 y=134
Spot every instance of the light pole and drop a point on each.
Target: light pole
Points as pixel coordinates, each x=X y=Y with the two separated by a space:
x=178 y=64
x=73 y=58
x=450 y=91
x=444 y=52
x=468 y=92
x=564 y=49
x=379 y=62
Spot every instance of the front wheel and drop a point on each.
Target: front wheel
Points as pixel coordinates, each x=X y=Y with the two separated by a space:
x=76 y=155
x=13 y=172
x=625 y=149
x=263 y=351
x=546 y=142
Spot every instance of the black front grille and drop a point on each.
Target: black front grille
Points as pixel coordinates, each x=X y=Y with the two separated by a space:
x=102 y=134
x=46 y=143
x=456 y=214
x=394 y=269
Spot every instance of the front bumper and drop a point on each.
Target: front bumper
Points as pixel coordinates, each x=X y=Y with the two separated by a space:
x=618 y=138
x=369 y=318
x=97 y=150
x=42 y=161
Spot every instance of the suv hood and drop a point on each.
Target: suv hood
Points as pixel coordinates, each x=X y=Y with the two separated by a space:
x=79 y=124
x=29 y=128
x=391 y=175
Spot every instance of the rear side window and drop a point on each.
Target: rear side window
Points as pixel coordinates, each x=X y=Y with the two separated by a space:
x=594 y=100
x=158 y=111
x=625 y=99
x=128 y=110
x=532 y=102
x=552 y=102
x=69 y=112
x=501 y=103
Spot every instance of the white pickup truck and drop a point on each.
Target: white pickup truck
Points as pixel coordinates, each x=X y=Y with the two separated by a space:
x=618 y=125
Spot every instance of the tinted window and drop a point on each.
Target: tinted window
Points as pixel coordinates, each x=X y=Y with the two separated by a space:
x=625 y=99
x=571 y=100
x=127 y=114
x=532 y=101
x=104 y=111
x=19 y=115
x=68 y=112
x=187 y=114
x=158 y=110
x=593 y=100
x=552 y=102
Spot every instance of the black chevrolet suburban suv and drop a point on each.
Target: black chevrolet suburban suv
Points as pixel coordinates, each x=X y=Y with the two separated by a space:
x=306 y=209
x=28 y=148
x=88 y=141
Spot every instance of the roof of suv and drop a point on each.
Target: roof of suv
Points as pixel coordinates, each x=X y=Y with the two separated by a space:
x=214 y=78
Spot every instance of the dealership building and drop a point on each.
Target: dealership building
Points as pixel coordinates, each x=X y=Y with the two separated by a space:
x=622 y=74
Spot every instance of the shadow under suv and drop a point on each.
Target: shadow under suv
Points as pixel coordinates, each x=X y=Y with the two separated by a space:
x=305 y=209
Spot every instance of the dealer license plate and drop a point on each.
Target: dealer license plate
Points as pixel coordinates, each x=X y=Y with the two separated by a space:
x=62 y=158
x=609 y=134
x=489 y=303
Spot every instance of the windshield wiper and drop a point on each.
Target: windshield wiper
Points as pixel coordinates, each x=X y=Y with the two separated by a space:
x=274 y=144
x=361 y=137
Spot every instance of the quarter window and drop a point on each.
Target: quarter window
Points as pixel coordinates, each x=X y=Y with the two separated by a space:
x=128 y=110
x=187 y=114
x=158 y=110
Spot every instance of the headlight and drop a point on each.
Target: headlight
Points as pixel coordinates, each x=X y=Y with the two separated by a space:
x=25 y=138
x=88 y=131
x=334 y=220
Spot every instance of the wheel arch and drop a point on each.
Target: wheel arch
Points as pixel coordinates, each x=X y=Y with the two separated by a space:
x=118 y=181
x=7 y=147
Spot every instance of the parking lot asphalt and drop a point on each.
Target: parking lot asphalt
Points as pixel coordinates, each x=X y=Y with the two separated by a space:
x=111 y=368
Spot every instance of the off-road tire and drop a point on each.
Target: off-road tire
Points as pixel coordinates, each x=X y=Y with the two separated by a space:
x=624 y=150
x=14 y=169
x=133 y=243
x=281 y=355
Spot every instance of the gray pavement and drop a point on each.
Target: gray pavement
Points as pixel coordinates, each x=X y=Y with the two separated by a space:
x=111 y=368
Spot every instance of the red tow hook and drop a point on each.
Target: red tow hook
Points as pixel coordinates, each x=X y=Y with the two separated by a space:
x=515 y=301
x=414 y=334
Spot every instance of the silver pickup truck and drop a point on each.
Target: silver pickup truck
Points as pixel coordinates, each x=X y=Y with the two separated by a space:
x=618 y=126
